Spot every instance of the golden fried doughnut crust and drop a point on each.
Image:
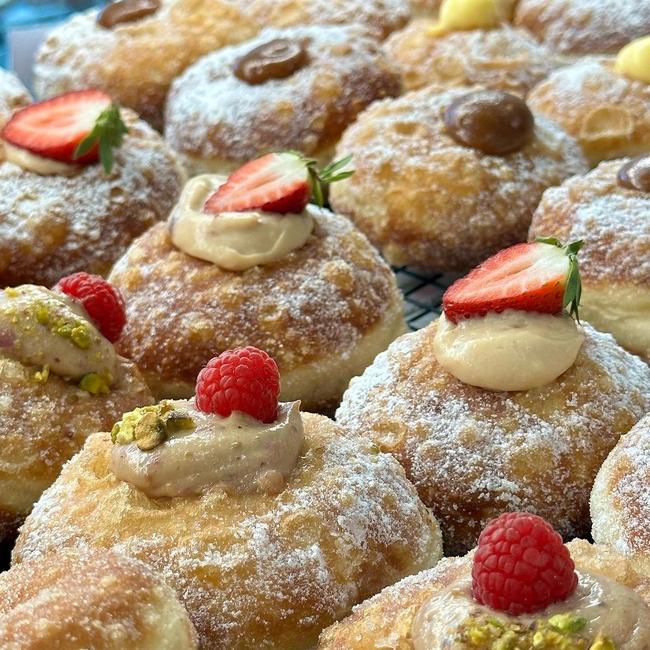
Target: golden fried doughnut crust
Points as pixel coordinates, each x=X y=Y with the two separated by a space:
x=585 y=26
x=384 y=622
x=76 y=599
x=473 y=454
x=51 y=226
x=608 y=114
x=499 y=59
x=426 y=200
x=620 y=505
x=320 y=301
x=254 y=571
x=42 y=425
x=13 y=95
x=381 y=16
x=425 y=7
x=136 y=62
x=615 y=260
x=217 y=120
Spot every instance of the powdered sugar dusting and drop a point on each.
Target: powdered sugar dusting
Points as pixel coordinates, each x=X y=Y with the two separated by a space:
x=474 y=453
x=268 y=571
x=13 y=95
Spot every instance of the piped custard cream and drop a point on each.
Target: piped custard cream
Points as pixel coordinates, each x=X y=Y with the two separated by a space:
x=174 y=450
x=234 y=241
x=633 y=60
x=458 y=15
x=601 y=614
x=509 y=351
x=43 y=328
x=38 y=164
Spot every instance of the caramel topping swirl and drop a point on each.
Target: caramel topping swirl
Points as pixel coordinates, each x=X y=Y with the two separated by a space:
x=494 y=122
x=635 y=174
x=126 y=11
x=277 y=59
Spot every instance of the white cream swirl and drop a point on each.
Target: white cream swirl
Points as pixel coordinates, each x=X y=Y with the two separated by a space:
x=38 y=164
x=606 y=607
x=234 y=241
x=238 y=453
x=510 y=351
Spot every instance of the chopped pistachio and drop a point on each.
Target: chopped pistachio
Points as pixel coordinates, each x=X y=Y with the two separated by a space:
x=175 y=421
x=567 y=623
x=41 y=376
x=149 y=432
x=11 y=292
x=602 y=643
x=149 y=426
x=95 y=384
x=75 y=330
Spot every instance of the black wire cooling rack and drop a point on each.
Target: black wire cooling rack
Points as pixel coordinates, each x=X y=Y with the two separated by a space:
x=422 y=294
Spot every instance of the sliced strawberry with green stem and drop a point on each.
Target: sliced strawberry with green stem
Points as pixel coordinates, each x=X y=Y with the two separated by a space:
x=75 y=128
x=278 y=182
x=542 y=276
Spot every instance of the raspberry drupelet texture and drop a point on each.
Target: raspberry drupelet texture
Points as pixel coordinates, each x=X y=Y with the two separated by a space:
x=101 y=300
x=521 y=565
x=245 y=380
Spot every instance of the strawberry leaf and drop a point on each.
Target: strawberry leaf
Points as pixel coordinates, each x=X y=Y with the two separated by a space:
x=108 y=133
x=321 y=180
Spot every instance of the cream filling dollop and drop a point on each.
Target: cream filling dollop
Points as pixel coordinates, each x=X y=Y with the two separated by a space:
x=234 y=241
x=633 y=61
x=43 y=328
x=459 y=15
x=38 y=164
x=237 y=453
x=510 y=351
x=607 y=608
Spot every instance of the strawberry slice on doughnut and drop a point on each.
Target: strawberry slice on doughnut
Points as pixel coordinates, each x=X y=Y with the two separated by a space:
x=75 y=128
x=541 y=276
x=278 y=182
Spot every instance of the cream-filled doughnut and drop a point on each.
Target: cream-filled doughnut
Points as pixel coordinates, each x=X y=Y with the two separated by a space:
x=133 y=50
x=269 y=523
x=608 y=209
x=81 y=598
x=294 y=88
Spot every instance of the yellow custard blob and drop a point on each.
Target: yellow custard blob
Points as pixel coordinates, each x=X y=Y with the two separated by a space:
x=633 y=60
x=458 y=15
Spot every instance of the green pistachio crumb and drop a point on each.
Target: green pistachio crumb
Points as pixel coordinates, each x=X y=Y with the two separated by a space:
x=175 y=421
x=75 y=330
x=602 y=643
x=567 y=623
x=41 y=376
x=149 y=432
x=95 y=384
x=11 y=292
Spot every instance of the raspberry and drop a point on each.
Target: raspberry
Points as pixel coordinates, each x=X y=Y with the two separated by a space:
x=101 y=300
x=521 y=565
x=244 y=379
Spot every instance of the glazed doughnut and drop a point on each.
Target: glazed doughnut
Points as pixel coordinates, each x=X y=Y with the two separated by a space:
x=607 y=113
x=253 y=570
x=584 y=26
x=217 y=120
x=13 y=95
x=323 y=313
x=80 y=598
x=619 y=501
x=500 y=59
x=474 y=453
x=54 y=225
x=385 y=622
x=425 y=199
x=44 y=417
x=381 y=16
x=135 y=61
x=615 y=261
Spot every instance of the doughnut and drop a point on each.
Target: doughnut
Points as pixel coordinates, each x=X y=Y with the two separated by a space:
x=381 y=16
x=499 y=59
x=13 y=95
x=254 y=569
x=619 y=502
x=606 y=112
x=81 y=598
x=387 y=620
x=612 y=219
x=584 y=26
x=54 y=225
x=424 y=7
x=427 y=199
x=323 y=311
x=135 y=56
x=474 y=453
x=45 y=415
x=218 y=118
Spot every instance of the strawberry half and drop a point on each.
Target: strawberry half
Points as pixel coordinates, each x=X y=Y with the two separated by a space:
x=542 y=276
x=74 y=128
x=278 y=182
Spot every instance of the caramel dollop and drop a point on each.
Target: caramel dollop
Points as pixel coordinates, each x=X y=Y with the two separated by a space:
x=277 y=59
x=126 y=11
x=492 y=121
x=635 y=174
